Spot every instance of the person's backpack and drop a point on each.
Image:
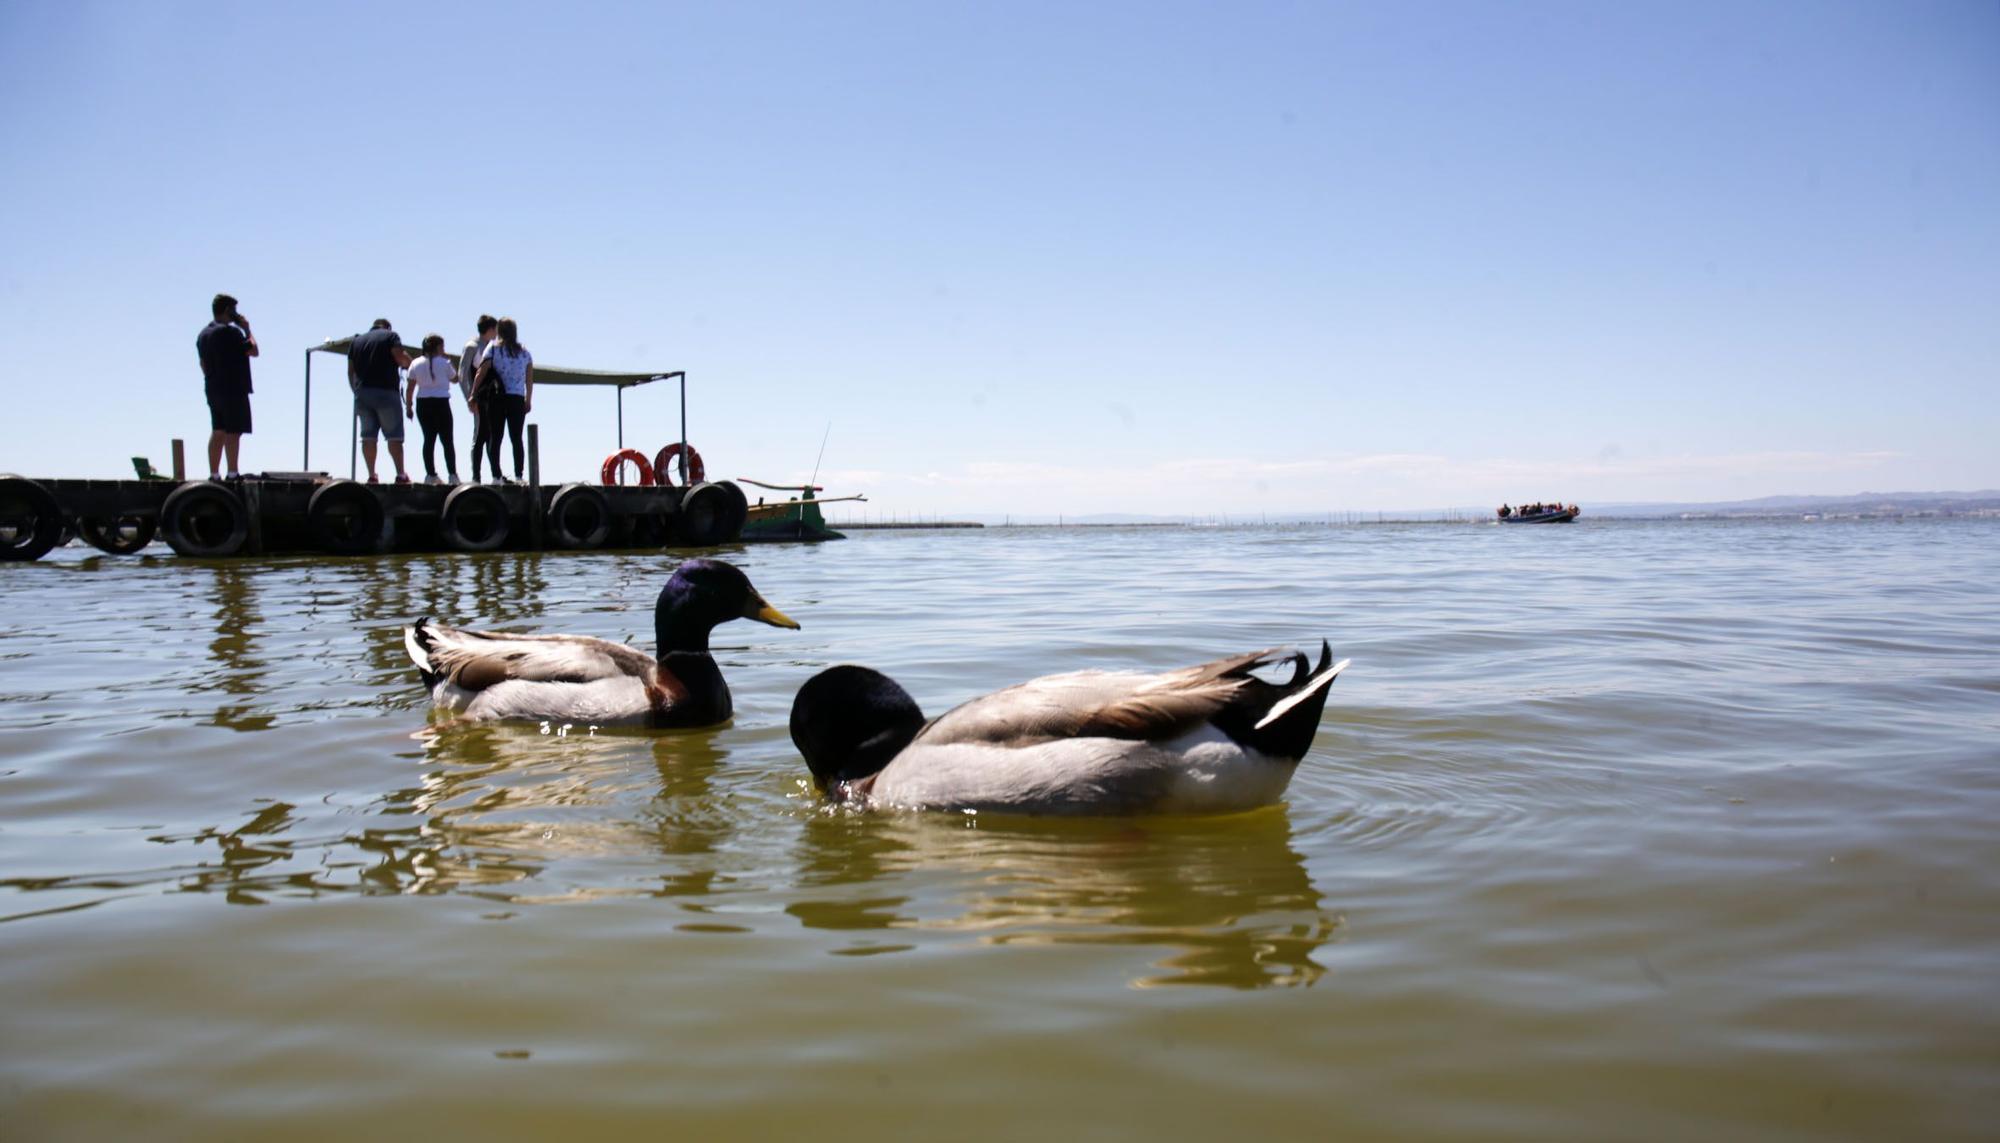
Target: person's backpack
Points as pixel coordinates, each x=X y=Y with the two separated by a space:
x=486 y=383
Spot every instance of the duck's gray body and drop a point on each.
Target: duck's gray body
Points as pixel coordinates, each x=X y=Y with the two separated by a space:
x=487 y=675
x=1200 y=772
x=1207 y=739
x=483 y=676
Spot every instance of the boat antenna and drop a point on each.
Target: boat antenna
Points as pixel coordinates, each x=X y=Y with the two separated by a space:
x=822 y=452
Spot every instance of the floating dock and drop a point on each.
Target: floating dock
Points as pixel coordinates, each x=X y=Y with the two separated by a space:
x=312 y=512
x=303 y=512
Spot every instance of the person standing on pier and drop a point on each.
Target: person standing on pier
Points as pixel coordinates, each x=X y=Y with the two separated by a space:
x=428 y=399
x=225 y=347
x=374 y=362
x=468 y=368
x=508 y=362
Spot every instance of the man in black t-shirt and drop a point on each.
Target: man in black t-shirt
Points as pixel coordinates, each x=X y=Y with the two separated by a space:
x=373 y=361
x=225 y=348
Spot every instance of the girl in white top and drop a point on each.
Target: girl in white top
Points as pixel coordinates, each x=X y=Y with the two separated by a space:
x=427 y=397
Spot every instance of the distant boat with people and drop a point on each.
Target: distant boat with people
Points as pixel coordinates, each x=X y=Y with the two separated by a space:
x=1538 y=514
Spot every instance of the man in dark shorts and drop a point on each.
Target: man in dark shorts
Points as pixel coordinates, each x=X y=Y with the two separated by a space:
x=226 y=347
x=373 y=361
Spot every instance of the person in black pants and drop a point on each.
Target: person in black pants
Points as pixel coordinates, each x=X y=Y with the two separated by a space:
x=509 y=368
x=427 y=397
x=468 y=371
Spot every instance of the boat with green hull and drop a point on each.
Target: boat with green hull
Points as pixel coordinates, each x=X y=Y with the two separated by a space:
x=796 y=520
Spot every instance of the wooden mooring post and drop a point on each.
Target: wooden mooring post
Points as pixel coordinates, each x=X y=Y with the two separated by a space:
x=535 y=513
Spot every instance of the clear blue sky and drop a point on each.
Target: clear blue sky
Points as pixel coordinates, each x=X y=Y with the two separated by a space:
x=1031 y=258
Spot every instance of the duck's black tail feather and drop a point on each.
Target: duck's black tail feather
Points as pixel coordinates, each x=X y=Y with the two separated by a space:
x=1287 y=729
x=417 y=640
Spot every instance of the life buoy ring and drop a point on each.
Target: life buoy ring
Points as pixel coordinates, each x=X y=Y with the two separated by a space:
x=475 y=519
x=614 y=467
x=580 y=516
x=663 y=467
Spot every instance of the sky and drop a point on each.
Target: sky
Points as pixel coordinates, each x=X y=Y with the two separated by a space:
x=1038 y=259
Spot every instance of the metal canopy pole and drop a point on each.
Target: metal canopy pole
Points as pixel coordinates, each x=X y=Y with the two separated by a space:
x=621 y=418
x=684 y=429
x=305 y=453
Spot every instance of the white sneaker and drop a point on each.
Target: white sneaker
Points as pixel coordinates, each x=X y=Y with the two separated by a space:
x=432 y=479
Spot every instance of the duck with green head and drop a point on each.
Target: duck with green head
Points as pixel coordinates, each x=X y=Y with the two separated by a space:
x=487 y=675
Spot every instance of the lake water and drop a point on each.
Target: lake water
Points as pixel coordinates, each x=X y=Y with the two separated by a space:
x=1613 y=831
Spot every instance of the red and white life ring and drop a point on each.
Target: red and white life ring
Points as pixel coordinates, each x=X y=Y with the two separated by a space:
x=663 y=465
x=614 y=467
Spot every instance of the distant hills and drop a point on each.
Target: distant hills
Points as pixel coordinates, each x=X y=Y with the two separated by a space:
x=1862 y=504
x=1984 y=503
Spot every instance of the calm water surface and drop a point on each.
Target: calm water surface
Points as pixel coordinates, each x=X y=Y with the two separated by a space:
x=1613 y=831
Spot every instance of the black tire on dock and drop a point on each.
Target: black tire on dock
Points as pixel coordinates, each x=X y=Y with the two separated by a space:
x=117 y=535
x=579 y=516
x=31 y=522
x=202 y=518
x=646 y=530
x=703 y=521
x=474 y=519
x=345 y=518
x=739 y=509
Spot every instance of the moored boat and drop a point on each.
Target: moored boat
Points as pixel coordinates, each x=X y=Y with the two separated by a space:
x=1538 y=514
x=797 y=520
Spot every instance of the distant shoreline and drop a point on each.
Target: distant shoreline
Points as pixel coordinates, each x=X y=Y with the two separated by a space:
x=1386 y=519
x=1864 y=506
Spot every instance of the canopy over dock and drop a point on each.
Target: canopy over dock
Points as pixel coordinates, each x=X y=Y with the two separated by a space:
x=544 y=375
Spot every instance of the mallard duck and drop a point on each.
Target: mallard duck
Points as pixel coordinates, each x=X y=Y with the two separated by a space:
x=1208 y=739
x=482 y=675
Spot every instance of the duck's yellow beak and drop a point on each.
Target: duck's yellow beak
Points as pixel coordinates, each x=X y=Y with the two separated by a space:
x=764 y=613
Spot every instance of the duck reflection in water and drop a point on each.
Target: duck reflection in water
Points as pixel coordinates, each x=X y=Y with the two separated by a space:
x=1228 y=898
x=506 y=803
x=505 y=588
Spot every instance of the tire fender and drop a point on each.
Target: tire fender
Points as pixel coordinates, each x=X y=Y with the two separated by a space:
x=118 y=535
x=204 y=519
x=706 y=515
x=579 y=516
x=31 y=522
x=344 y=517
x=475 y=519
